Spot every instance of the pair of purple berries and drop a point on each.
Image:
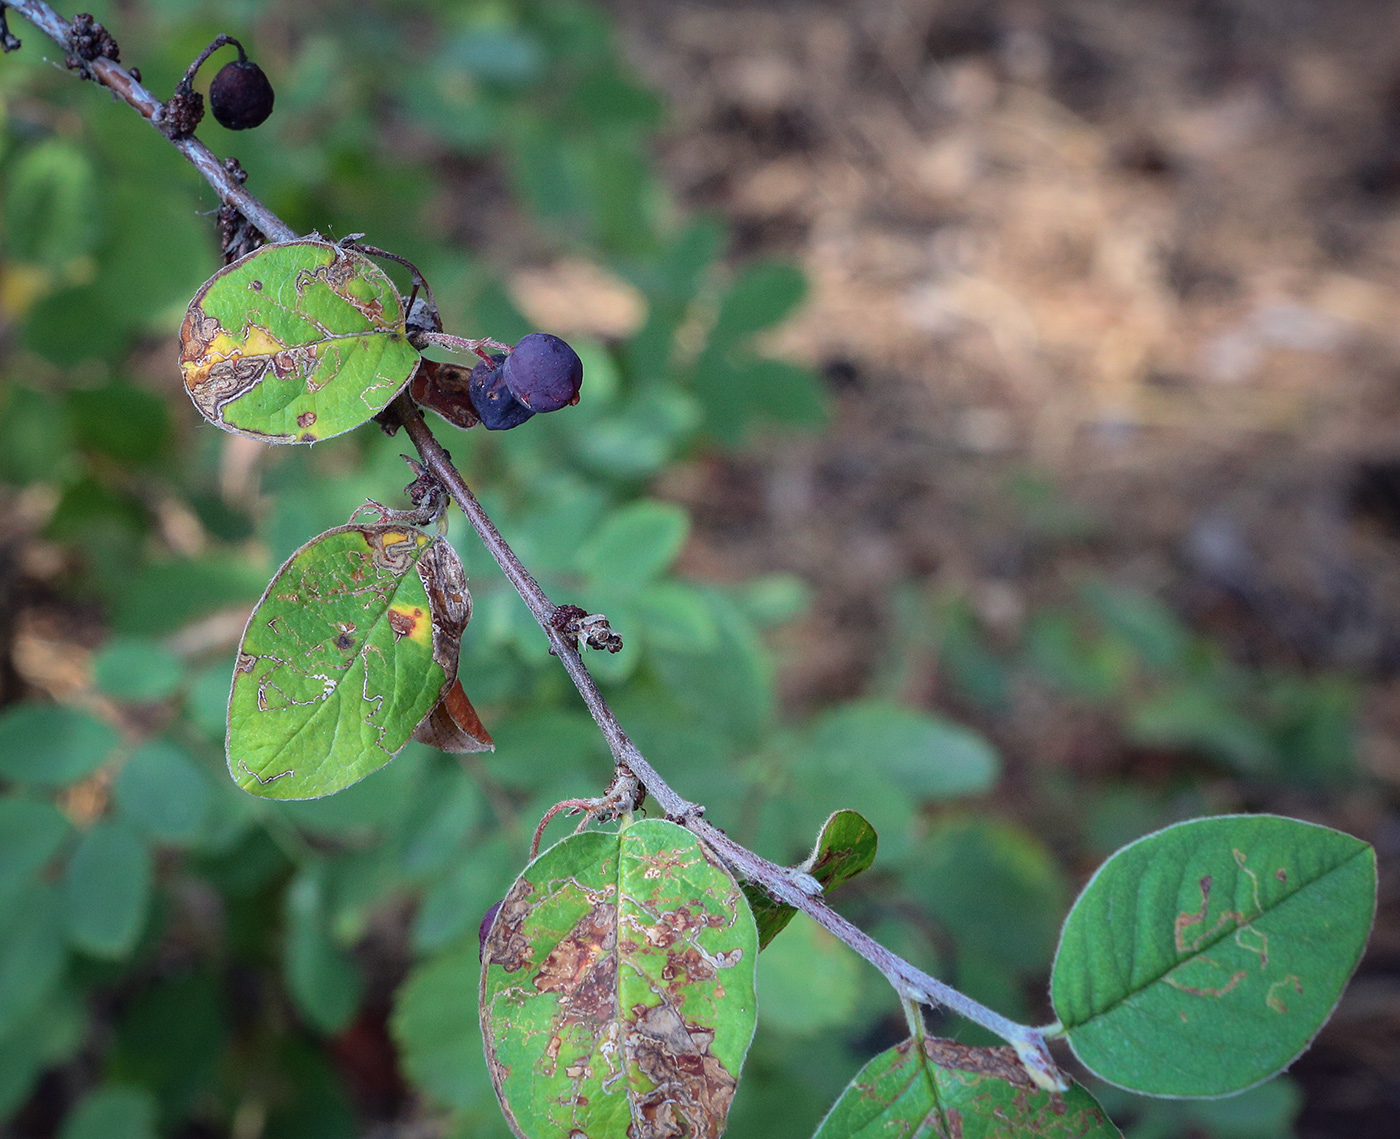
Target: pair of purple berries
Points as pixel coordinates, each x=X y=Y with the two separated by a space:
x=542 y=373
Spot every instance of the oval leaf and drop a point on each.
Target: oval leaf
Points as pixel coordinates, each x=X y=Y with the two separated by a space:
x=617 y=988
x=845 y=847
x=923 y=755
x=134 y=669
x=340 y=662
x=439 y=1047
x=31 y=952
x=943 y=1090
x=30 y=835
x=107 y=890
x=1204 y=958
x=163 y=791
x=323 y=981
x=113 y=1112
x=295 y=342
x=806 y=962
x=49 y=746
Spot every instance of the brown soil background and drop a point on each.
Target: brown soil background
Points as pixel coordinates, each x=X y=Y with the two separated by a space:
x=1148 y=250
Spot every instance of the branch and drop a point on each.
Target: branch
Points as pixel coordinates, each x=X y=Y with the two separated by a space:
x=785 y=884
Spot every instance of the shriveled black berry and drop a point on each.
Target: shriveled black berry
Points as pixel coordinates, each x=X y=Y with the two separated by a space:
x=240 y=96
x=497 y=408
x=543 y=372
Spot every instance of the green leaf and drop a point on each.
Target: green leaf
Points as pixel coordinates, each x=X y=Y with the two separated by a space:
x=844 y=848
x=112 y=1112
x=994 y=887
x=927 y=757
x=171 y=1037
x=675 y=616
x=107 y=890
x=49 y=1036
x=729 y=688
x=617 y=987
x=137 y=670
x=634 y=545
x=795 y=969
x=1265 y=1111
x=30 y=835
x=50 y=204
x=1198 y=716
x=1204 y=958
x=295 y=342
x=337 y=666
x=435 y=1025
x=360 y=814
x=737 y=392
x=164 y=793
x=761 y=296
x=943 y=1089
x=1153 y=630
x=206 y=702
x=121 y=421
x=495 y=54
x=161 y=597
x=35 y=445
x=456 y=902
x=456 y=810
x=31 y=952
x=321 y=978
x=48 y=746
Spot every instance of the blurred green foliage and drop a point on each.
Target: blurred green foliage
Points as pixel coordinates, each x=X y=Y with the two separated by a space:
x=193 y=958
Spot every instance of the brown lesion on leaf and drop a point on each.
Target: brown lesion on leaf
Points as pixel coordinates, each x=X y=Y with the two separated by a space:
x=685 y=967
x=445 y=582
x=390 y=547
x=671 y=863
x=1028 y=1104
x=223 y=381
x=1274 y=997
x=582 y=968
x=1208 y=991
x=828 y=858
x=691 y=1089
x=197 y=332
x=1000 y=1063
x=507 y=946
x=405 y=622
x=270 y=779
x=1202 y=936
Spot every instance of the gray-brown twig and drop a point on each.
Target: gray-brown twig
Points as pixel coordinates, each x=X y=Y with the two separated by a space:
x=785 y=884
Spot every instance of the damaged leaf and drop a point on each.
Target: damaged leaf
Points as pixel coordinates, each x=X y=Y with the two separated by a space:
x=617 y=988
x=844 y=848
x=350 y=650
x=1204 y=958
x=295 y=342
x=943 y=1090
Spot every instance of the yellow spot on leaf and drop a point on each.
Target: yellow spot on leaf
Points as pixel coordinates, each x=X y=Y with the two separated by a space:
x=411 y=621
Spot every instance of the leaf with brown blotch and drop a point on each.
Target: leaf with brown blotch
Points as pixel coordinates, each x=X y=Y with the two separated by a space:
x=617 y=988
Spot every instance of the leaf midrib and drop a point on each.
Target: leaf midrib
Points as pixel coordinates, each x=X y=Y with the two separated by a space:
x=1216 y=940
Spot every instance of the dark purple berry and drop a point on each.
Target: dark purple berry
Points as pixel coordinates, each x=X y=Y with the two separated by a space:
x=486 y=926
x=543 y=372
x=497 y=408
x=240 y=96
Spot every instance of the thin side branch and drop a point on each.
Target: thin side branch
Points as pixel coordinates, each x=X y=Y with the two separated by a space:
x=785 y=884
